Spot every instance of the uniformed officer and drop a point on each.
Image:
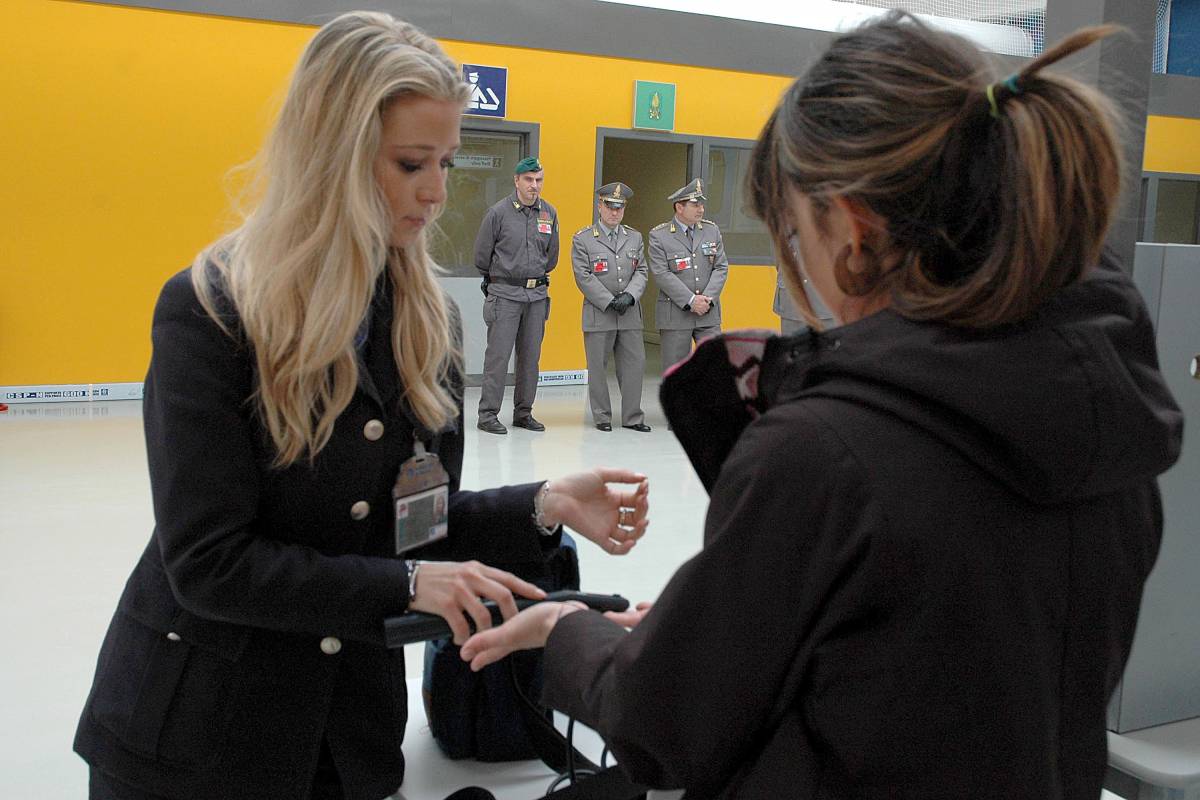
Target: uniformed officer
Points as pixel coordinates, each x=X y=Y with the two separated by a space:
x=515 y=250
x=687 y=257
x=610 y=268
x=790 y=319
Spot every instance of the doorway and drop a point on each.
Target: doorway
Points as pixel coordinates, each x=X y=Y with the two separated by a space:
x=653 y=166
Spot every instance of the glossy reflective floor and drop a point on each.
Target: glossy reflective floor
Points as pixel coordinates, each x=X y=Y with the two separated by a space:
x=75 y=514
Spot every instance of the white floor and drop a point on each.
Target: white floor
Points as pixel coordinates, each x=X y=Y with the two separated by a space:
x=75 y=514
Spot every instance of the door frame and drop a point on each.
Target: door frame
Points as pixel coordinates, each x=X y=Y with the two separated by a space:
x=465 y=290
x=694 y=166
x=1149 y=203
x=530 y=130
x=694 y=146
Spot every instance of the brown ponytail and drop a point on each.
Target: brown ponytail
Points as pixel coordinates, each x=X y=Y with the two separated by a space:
x=992 y=202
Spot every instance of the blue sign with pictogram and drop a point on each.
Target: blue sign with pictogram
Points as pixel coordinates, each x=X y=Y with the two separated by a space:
x=489 y=86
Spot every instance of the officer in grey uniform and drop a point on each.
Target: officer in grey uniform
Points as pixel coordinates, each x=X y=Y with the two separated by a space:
x=609 y=263
x=515 y=250
x=790 y=319
x=687 y=257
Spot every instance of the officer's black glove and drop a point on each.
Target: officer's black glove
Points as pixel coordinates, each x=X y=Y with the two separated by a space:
x=484 y=284
x=612 y=306
x=624 y=302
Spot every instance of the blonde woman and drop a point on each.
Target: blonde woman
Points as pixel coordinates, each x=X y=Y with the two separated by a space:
x=298 y=367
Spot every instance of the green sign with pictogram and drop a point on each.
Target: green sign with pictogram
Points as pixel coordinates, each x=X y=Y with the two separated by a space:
x=654 y=105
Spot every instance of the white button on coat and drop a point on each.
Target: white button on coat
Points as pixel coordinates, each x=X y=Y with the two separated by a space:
x=373 y=430
x=360 y=510
x=173 y=636
x=331 y=645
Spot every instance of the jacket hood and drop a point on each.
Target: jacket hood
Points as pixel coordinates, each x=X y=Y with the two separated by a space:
x=1066 y=405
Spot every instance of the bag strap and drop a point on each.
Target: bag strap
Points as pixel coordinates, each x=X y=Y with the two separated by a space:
x=560 y=754
x=551 y=746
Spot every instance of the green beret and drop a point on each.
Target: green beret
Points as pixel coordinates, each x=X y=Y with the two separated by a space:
x=530 y=164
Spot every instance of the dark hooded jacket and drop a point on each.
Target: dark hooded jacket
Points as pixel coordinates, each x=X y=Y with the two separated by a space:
x=922 y=561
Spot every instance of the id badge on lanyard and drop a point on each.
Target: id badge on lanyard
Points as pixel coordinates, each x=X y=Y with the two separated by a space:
x=421 y=500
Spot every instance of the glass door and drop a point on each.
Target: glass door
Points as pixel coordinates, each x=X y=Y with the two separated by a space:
x=482 y=175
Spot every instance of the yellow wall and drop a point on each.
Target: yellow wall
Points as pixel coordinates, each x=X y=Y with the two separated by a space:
x=120 y=125
x=1171 y=145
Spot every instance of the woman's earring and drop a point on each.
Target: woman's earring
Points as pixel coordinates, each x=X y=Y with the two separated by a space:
x=856 y=273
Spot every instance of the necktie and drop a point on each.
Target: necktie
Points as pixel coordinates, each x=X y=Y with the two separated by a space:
x=612 y=239
x=691 y=244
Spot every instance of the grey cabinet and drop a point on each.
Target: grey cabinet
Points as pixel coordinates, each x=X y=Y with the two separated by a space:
x=1162 y=679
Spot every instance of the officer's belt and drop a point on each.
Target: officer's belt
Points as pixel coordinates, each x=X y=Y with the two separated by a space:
x=528 y=283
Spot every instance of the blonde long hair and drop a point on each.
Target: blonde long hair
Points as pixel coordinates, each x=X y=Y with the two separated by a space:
x=302 y=267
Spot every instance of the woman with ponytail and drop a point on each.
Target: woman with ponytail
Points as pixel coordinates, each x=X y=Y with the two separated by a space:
x=304 y=368
x=927 y=541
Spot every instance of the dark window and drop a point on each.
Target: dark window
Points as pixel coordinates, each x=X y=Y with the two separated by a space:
x=482 y=175
x=1177 y=211
x=746 y=238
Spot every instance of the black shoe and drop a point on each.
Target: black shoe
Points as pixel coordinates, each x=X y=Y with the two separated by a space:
x=529 y=424
x=640 y=427
x=492 y=426
x=604 y=426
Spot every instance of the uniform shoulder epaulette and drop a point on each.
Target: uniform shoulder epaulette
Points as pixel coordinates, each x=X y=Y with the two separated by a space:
x=660 y=226
x=581 y=230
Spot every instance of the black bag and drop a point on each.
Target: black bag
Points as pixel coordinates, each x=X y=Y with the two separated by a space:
x=479 y=714
x=493 y=715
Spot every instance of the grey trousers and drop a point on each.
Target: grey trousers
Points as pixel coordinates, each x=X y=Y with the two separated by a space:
x=677 y=345
x=629 y=350
x=511 y=324
x=789 y=326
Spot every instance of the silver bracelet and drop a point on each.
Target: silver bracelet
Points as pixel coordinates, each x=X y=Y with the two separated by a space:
x=413 y=568
x=539 y=512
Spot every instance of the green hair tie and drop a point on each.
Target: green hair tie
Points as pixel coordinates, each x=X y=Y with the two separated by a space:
x=1009 y=83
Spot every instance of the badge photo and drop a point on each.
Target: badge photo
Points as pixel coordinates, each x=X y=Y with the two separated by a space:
x=421 y=518
x=421 y=499
x=545 y=224
x=599 y=266
x=681 y=263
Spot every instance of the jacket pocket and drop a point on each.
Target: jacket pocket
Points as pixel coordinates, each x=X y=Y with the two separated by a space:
x=168 y=691
x=664 y=311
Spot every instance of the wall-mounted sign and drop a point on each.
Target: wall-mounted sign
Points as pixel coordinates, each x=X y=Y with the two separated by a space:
x=477 y=161
x=489 y=86
x=653 y=105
